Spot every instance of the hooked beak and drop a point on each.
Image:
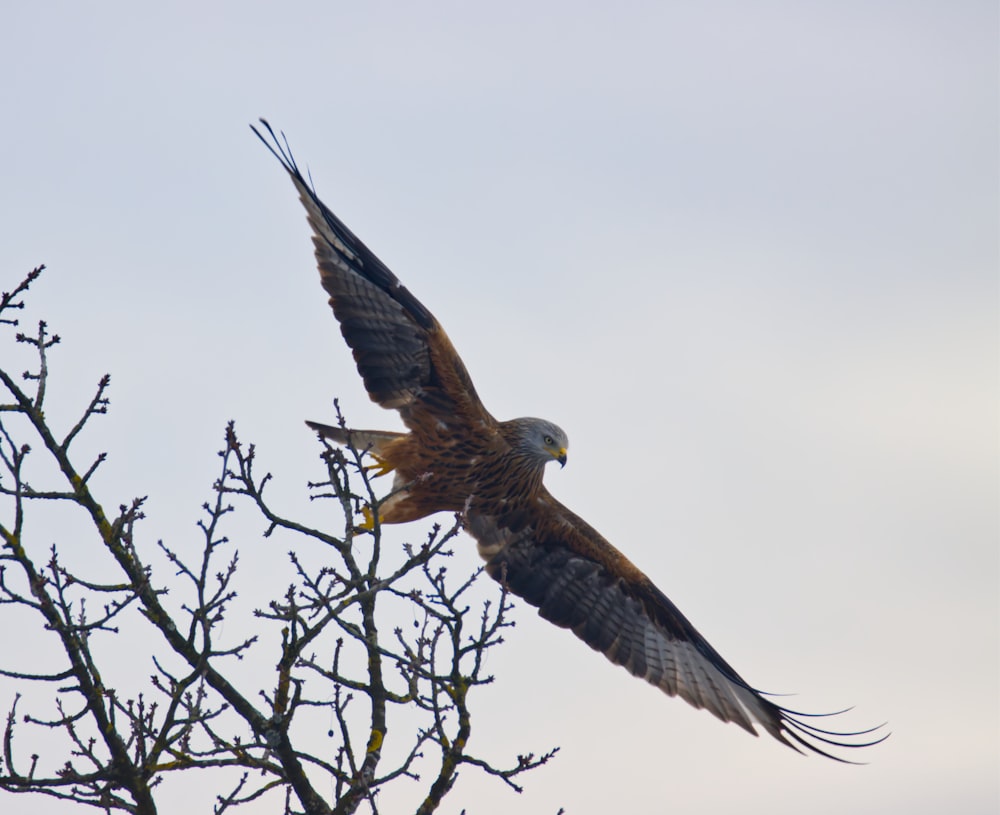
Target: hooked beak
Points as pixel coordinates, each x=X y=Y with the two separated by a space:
x=561 y=456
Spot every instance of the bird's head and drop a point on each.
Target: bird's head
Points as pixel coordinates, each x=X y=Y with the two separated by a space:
x=543 y=441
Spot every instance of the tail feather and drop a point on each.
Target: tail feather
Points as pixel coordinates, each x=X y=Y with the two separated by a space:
x=372 y=441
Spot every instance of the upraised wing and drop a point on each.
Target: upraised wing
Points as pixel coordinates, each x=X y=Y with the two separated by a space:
x=403 y=354
x=577 y=580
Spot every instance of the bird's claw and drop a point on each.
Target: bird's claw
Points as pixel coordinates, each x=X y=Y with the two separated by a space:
x=380 y=467
x=368 y=524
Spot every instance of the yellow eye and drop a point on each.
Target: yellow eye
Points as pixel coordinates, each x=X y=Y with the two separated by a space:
x=549 y=441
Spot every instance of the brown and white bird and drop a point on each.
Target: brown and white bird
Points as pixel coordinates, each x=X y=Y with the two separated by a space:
x=457 y=457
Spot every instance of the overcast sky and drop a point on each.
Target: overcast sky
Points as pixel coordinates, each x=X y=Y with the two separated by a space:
x=744 y=253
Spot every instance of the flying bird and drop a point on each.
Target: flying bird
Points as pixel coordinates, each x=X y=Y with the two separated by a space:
x=457 y=457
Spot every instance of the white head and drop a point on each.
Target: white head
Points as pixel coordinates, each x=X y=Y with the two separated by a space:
x=541 y=440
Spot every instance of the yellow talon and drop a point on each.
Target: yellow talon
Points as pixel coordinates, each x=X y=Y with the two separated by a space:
x=381 y=466
x=368 y=524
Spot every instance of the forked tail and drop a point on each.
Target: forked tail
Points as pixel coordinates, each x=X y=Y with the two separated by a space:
x=370 y=441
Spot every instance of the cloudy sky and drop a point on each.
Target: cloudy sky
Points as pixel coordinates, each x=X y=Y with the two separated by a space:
x=744 y=253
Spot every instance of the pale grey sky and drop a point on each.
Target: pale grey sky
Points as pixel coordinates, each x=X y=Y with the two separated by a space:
x=744 y=253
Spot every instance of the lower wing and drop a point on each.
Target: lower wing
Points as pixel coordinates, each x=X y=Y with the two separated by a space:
x=577 y=580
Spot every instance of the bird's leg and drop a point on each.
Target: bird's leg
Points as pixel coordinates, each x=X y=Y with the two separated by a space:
x=368 y=524
x=380 y=467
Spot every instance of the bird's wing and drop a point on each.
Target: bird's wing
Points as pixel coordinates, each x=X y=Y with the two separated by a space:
x=403 y=354
x=557 y=562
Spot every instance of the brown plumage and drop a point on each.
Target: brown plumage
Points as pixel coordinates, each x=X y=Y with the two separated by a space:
x=459 y=458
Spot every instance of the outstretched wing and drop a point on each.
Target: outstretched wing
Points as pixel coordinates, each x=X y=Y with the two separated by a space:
x=577 y=580
x=403 y=354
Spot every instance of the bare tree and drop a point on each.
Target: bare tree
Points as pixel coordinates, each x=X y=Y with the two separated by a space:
x=333 y=636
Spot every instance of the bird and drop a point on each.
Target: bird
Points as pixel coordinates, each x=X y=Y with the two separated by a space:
x=457 y=457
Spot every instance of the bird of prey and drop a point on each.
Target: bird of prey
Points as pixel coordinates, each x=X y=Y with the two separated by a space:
x=457 y=457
